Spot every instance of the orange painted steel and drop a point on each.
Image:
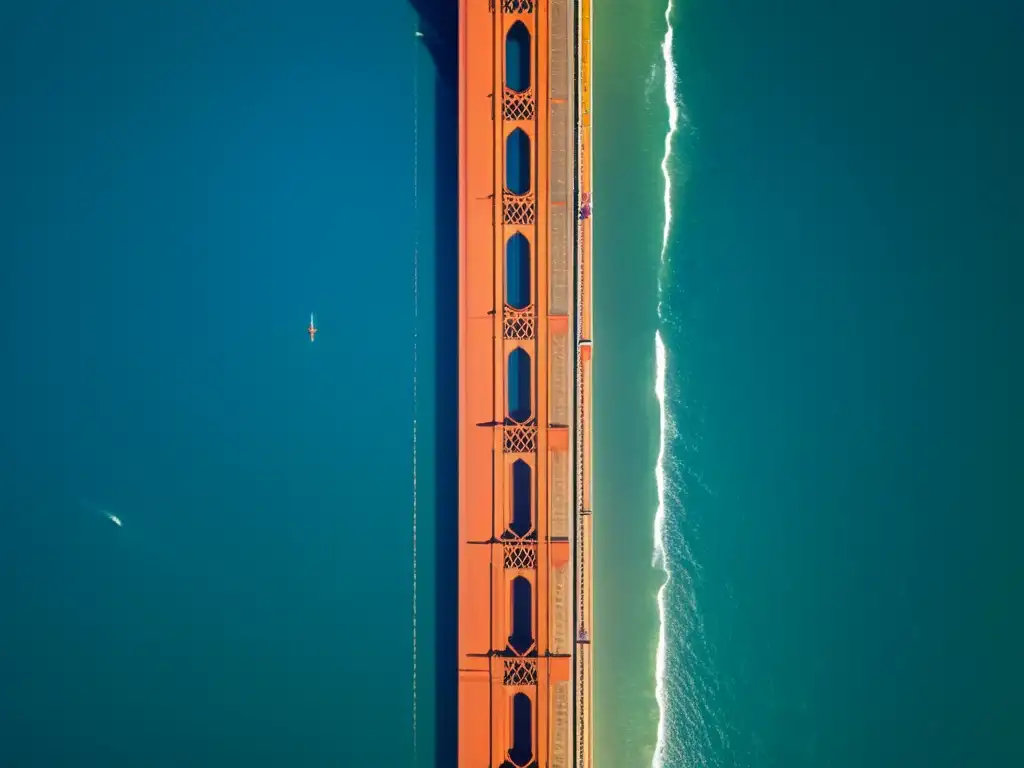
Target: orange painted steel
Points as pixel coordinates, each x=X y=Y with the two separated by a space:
x=584 y=670
x=524 y=683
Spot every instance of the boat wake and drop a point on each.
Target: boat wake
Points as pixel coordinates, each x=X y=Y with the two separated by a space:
x=106 y=514
x=415 y=379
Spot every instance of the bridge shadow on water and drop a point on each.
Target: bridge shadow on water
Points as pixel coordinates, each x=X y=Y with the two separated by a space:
x=439 y=22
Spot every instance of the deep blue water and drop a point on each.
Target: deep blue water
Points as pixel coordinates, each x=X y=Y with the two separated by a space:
x=184 y=184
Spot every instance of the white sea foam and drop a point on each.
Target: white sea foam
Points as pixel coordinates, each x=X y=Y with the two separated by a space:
x=659 y=547
x=674 y=114
x=689 y=727
x=660 y=559
x=651 y=83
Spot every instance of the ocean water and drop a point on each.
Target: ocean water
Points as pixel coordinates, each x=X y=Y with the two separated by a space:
x=827 y=390
x=184 y=184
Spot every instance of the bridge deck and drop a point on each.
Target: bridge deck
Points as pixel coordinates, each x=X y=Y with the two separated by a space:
x=524 y=403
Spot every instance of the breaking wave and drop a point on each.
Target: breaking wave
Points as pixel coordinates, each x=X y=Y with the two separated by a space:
x=689 y=732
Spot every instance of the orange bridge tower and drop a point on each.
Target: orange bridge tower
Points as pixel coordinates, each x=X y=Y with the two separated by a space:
x=525 y=668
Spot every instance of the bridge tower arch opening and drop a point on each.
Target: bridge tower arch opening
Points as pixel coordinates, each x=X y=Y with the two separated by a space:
x=521 y=522
x=518 y=288
x=517 y=58
x=521 y=641
x=521 y=752
x=517 y=162
x=520 y=407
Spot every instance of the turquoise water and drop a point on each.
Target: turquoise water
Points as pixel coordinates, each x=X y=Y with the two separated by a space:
x=184 y=186
x=839 y=310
